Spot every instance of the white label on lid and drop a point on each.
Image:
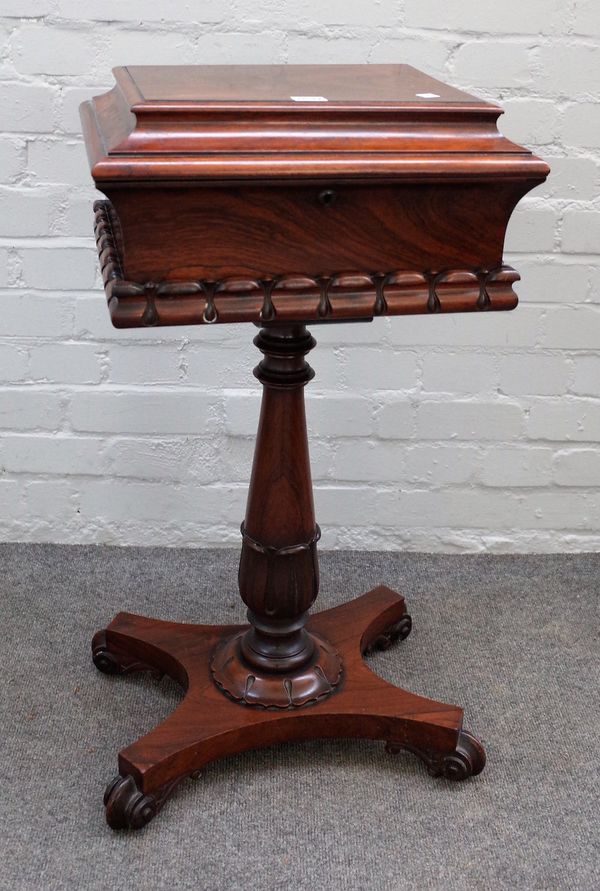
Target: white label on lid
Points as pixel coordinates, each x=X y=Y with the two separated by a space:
x=428 y=95
x=309 y=99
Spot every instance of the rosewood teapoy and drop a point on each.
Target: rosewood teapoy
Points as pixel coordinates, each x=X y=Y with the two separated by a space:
x=282 y=196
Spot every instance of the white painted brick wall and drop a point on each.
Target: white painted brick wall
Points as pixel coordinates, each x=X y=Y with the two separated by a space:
x=446 y=434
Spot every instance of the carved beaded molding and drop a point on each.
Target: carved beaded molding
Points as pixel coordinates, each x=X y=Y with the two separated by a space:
x=345 y=295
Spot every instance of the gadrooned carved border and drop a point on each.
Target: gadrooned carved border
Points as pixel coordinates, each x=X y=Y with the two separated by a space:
x=292 y=297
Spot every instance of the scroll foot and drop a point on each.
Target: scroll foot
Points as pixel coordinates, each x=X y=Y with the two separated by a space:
x=398 y=631
x=111 y=660
x=467 y=759
x=128 y=808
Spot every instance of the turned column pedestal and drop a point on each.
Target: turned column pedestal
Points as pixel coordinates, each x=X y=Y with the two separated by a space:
x=277 y=662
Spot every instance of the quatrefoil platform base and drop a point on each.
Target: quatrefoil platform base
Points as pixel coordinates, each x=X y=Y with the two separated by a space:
x=209 y=724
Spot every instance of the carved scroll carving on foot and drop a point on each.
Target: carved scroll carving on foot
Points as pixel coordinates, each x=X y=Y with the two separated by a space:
x=128 y=808
x=398 y=631
x=467 y=759
x=110 y=660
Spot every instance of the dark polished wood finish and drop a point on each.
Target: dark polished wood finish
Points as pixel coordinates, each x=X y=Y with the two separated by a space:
x=283 y=196
x=230 y=201
x=208 y=725
x=277 y=662
x=319 y=298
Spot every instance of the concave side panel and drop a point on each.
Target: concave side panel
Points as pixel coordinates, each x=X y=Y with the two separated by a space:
x=349 y=294
x=184 y=234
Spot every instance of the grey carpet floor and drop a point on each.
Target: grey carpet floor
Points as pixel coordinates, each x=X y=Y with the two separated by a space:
x=515 y=640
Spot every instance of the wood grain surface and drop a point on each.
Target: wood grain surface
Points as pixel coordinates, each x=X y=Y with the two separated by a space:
x=232 y=198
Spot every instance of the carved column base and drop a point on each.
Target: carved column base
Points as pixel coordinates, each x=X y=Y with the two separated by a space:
x=208 y=725
x=309 y=683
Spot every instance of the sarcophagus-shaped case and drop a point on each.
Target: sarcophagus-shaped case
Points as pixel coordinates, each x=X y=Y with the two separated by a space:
x=308 y=193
